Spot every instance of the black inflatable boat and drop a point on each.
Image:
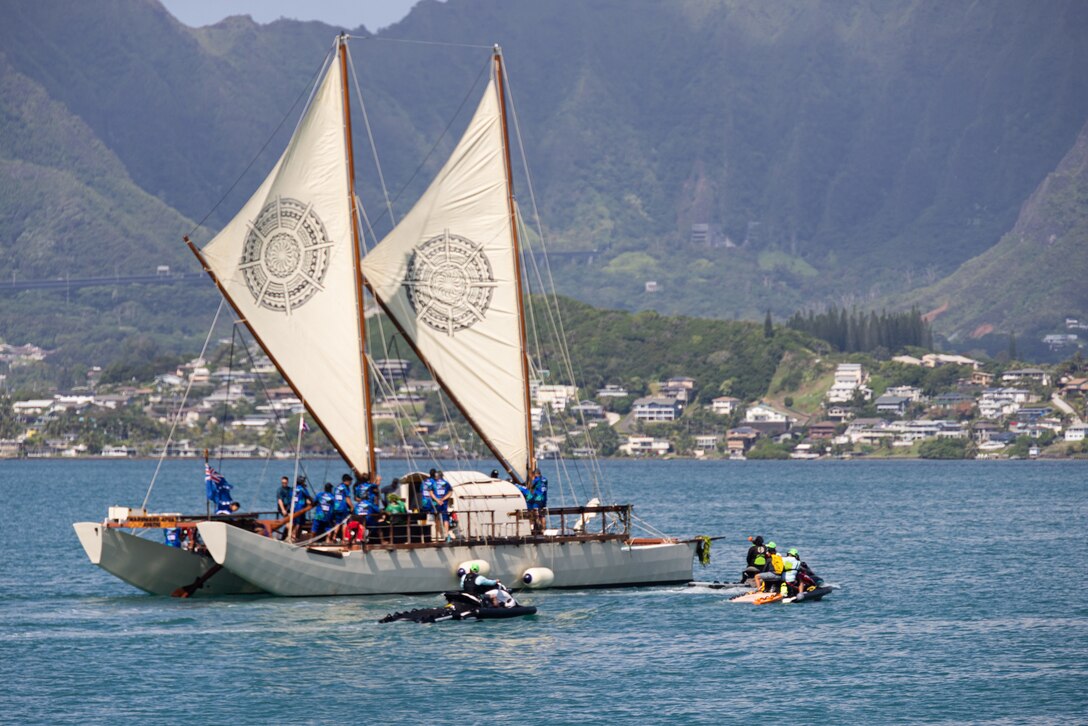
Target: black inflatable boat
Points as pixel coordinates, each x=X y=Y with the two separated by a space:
x=461 y=606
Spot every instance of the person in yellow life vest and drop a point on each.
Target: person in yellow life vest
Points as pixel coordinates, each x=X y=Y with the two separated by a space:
x=791 y=565
x=775 y=567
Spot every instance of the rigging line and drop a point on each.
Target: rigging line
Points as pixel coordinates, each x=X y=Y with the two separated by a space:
x=181 y=407
x=572 y=380
x=312 y=87
x=557 y=322
x=280 y=428
x=441 y=136
x=370 y=137
x=226 y=400
x=419 y=42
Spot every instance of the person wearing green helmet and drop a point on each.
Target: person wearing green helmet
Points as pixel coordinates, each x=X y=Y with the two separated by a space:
x=773 y=574
x=473 y=582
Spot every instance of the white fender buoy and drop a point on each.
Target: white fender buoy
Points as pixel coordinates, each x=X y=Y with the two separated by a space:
x=464 y=567
x=537 y=577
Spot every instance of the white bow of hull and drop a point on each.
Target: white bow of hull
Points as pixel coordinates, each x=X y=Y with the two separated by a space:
x=285 y=569
x=154 y=566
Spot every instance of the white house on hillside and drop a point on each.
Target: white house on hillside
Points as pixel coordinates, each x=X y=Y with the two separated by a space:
x=766 y=413
x=656 y=408
x=724 y=405
x=849 y=378
x=645 y=446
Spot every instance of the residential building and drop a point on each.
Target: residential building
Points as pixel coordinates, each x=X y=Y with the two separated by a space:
x=724 y=405
x=765 y=413
x=656 y=408
x=555 y=396
x=707 y=442
x=587 y=409
x=33 y=407
x=936 y=360
x=909 y=392
x=822 y=430
x=867 y=431
x=982 y=378
x=952 y=400
x=645 y=446
x=1076 y=432
x=896 y=405
x=1072 y=386
x=839 y=413
x=767 y=419
x=392 y=368
x=1027 y=375
x=984 y=430
x=849 y=378
x=611 y=390
x=739 y=440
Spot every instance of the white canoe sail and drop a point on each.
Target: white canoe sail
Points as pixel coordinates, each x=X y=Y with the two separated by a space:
x=447 y=276
x=287 y=265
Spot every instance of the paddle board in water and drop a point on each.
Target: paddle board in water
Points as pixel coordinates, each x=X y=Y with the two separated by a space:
x=748 y=596
x=768 y=598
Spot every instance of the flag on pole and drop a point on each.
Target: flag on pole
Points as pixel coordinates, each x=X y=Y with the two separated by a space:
x=302 y=425
x=214 y=484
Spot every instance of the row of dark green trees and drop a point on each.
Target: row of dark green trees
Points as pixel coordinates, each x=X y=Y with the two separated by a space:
x=856 y=331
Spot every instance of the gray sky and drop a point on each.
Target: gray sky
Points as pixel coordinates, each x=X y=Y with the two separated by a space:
x=374 y=14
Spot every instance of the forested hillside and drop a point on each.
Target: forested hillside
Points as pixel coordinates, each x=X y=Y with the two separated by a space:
x=841 y=152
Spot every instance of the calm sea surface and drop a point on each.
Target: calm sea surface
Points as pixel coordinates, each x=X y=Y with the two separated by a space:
x=963 y=599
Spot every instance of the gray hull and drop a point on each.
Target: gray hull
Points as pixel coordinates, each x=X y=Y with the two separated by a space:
x=284 y=569
x=153 y=566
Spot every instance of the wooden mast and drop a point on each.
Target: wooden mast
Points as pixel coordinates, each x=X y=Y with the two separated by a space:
x=531 y=453
x=342 y=45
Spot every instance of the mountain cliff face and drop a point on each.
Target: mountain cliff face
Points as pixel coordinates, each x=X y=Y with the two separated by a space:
x=834 y=151
x=1035 y=276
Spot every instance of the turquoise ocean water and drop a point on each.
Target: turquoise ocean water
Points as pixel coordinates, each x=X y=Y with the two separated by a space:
x=962 y=600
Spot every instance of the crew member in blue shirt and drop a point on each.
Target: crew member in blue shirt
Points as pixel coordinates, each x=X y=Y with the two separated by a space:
x=323 y=511
x=341 y=505
x=362 y=484
x=302 y=499
x=426 y=494
x=537 y=499
x=442 y=492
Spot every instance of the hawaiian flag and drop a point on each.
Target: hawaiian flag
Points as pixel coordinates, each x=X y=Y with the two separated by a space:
x=213 y=480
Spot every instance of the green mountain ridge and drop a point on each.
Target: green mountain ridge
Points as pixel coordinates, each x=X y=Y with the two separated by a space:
x=844 y=152
x=1034 y=277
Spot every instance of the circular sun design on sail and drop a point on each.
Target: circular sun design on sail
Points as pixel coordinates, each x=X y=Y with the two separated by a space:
x=449 y=283
x=285 y=255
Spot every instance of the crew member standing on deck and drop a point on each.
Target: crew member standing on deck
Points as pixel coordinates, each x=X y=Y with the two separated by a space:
x=341 y=500
x=283 y=496
x=442 y=492
x=302 y=500
x=323 y=511
x=537 y=500
x=426 y=494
